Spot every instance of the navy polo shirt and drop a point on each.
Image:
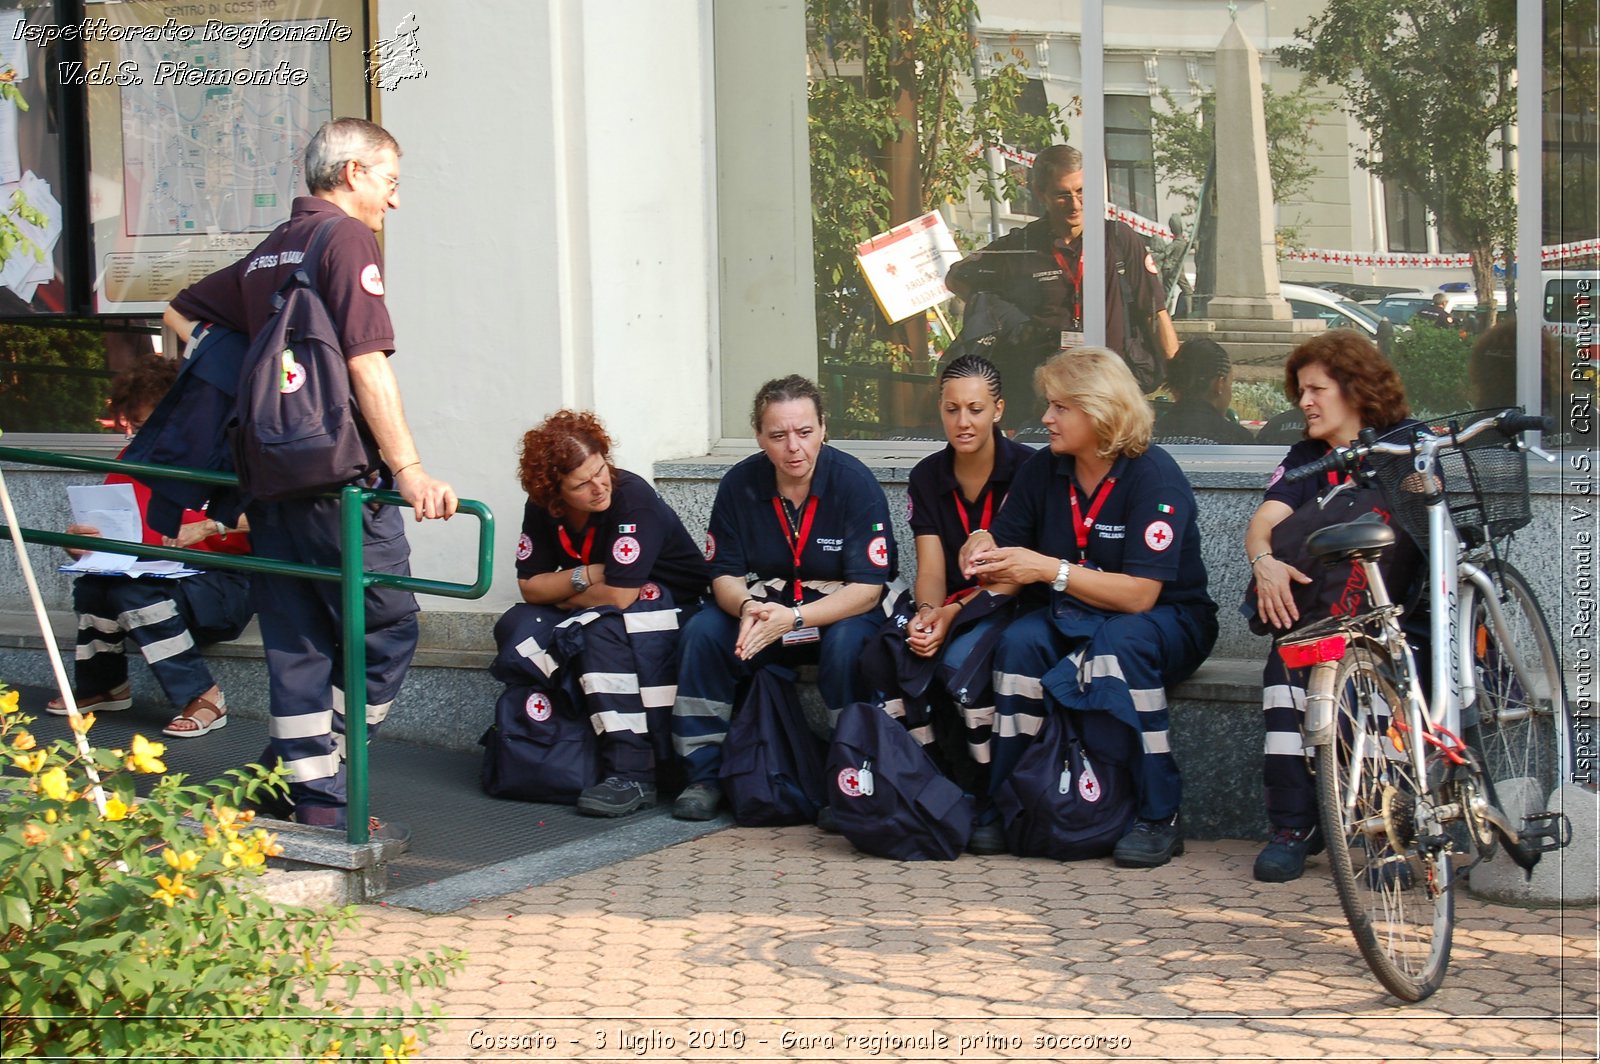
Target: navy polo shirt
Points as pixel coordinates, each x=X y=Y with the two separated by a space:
x=349 y=279
x=850 y=539
x=1146 y=526
x=639 y=539
x=937 y=508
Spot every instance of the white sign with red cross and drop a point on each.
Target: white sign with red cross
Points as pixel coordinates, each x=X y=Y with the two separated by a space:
x=1089 y=783
x=1158 y=535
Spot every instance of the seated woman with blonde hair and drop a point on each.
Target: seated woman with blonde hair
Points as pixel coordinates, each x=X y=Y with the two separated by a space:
x=1099 y=539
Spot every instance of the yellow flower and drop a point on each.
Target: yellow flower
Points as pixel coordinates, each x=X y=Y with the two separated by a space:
x=34 y=835
x=171 y=890
x=268 y=844
x=54 y=784
x=30 y=763
x=82 y=723
x=181 y=862
x=146 y=755
x=116 y=809
x=24 y=741
x=8 y=701
x=332 y=1052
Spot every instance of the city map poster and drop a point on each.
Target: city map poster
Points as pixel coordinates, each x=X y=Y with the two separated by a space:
x=197 y=129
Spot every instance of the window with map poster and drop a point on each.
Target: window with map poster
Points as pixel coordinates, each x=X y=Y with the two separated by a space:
x=198 y=124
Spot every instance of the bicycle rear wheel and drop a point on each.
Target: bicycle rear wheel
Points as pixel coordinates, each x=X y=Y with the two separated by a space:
x=1396 y=893
x=1522 y=730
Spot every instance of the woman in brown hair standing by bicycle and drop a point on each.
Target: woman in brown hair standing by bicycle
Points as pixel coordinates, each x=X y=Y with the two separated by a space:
x=1343 y=384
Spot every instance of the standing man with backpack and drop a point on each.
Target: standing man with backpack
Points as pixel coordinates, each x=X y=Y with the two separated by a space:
x=352 y=169
x=1038 y=271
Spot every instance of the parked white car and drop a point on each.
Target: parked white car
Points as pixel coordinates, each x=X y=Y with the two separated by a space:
x=1338 y=312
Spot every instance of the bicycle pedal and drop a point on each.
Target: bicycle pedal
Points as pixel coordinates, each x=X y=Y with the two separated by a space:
x=1546 y=832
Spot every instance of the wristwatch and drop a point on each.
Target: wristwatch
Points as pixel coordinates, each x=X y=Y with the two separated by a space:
x=580 y=579
x=799 y=622
x=1062 y=575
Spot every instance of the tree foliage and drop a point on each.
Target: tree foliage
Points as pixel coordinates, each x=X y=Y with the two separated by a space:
x=1431 y=83
x=1184 y=138
x=863 y=54
x=52 y=379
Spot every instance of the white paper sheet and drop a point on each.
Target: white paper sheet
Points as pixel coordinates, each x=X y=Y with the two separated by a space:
x=113 y=510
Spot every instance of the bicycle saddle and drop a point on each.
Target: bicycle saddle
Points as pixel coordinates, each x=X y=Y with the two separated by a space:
x=1363 y=538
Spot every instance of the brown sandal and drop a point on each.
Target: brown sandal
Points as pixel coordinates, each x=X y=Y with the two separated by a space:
x=111 y=701
x=198 y=718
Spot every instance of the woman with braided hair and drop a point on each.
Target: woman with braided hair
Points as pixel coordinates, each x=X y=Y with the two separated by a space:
x=1200 y=377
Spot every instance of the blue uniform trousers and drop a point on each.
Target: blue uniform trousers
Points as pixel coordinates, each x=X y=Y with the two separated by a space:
x=1120 y=664
x=709 y=676
x=166 y=620
x=301 y=635
x=623 y=662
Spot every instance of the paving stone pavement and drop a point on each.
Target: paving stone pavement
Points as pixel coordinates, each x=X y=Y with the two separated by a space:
x=785 y=944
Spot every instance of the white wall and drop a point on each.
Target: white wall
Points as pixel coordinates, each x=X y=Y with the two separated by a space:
x=553 y=243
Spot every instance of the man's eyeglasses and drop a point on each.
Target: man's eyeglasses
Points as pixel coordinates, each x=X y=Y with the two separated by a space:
x=394 y=182
x=1067 y=194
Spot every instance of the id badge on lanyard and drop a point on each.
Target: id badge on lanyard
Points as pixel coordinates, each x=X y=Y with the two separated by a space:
x=797 y=546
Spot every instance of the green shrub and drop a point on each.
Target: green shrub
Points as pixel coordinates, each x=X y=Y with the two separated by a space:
x=1258 y=400
x=1432 y=361
x=126 y=932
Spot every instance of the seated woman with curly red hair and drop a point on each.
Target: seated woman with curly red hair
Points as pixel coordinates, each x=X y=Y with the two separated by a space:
x=599 y=548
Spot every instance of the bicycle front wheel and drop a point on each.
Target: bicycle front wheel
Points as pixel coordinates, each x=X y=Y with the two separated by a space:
x=1395 y=891
x=1519 y=722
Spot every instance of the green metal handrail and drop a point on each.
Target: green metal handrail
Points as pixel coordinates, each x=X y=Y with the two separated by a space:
x=350 y=575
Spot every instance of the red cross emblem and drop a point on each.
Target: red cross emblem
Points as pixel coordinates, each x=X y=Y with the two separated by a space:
x=524 y=548
x=538 y=706
x=850 y=782
x=878 y=552
x=1089 y=783
x=649 y=592
x=625 y=550
x=294 y=375
x=1158 y=535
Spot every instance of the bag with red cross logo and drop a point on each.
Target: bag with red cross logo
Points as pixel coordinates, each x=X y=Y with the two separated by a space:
x=1069 y=799
x=296 y=431
x=539 y=748
x=888 y=797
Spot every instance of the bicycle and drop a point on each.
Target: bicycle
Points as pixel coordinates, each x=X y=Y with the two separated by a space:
x=1408 y=784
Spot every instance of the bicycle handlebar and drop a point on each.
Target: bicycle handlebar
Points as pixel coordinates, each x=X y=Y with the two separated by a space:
x=1510 y=423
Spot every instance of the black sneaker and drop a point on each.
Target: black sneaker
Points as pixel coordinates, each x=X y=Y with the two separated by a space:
x=1149 y=844
x=826 y=820
x=616 y=796
x=987 y=839
x=699 y=801
x=1284 y=857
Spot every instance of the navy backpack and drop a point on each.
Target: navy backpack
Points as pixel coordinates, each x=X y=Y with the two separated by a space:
x=1067 y=799
x=772 y=760
x=888 y=797
x=539 y=748
x=296 y=431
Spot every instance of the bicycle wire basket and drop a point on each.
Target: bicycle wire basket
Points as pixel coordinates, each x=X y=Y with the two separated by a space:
x=1485 y=482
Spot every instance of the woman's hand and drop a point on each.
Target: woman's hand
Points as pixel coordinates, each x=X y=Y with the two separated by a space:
x=978 y=541
x=79 y=530
x=193 y=532
x=1275 y=582
x=927 y=630
x=760 y=625
x=1011 y=565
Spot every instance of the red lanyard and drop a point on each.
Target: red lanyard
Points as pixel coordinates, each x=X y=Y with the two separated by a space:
x=961 y=510
x=1077 y=279
x=797 y=540
x=566 y=543
x=1080 y=524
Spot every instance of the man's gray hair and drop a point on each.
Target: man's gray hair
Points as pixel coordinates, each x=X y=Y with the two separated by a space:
x=1050 y=164
x=341 y=141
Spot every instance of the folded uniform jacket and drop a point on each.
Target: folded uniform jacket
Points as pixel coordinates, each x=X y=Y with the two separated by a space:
x=189 y=428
